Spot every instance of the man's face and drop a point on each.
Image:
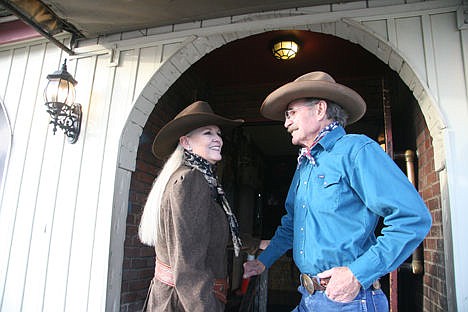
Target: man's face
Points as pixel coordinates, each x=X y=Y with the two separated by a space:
x=304 y=121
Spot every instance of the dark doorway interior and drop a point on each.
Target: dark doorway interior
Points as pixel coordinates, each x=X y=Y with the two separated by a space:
x=259 y=159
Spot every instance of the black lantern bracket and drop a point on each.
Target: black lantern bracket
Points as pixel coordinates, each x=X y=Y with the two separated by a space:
x=67 y=118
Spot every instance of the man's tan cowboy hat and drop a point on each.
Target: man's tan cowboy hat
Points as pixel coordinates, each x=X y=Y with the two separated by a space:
x=313 y=85
x=196 y=115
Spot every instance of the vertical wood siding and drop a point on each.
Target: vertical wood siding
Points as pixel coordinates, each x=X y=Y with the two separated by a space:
x=63 y=207
x=56 y=212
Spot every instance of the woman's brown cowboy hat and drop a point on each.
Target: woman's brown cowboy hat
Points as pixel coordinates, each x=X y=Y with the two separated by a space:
x=313 y=85
x=196 y=115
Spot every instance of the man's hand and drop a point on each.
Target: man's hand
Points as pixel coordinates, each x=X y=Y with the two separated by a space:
x=343 y=285
x=253 y=267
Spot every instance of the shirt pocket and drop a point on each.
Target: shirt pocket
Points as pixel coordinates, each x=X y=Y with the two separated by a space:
x=327 y=191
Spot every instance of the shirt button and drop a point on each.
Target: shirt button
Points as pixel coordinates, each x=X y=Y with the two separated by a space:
x=303 y=206
x=302 y=229
x=301 y=252
x=305 y=182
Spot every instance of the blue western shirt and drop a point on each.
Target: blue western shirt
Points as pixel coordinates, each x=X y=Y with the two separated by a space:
x=333 y=208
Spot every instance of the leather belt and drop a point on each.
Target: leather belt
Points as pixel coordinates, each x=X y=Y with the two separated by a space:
x=312 y=284
x=164 y=273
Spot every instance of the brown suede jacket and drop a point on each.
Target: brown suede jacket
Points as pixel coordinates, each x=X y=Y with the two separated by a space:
x=192 y=240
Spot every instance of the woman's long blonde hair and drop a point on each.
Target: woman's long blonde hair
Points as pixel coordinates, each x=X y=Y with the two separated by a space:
x=149 y=224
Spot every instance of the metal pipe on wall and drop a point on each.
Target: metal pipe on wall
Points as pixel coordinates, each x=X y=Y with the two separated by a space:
x=417 y=260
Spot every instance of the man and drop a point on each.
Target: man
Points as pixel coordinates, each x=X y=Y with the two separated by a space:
x=342 y=185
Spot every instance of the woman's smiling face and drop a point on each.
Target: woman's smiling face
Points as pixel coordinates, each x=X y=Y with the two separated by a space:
x=206 y=142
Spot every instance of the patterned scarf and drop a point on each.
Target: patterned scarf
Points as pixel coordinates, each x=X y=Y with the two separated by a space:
x=194 y=161
x=305 y=152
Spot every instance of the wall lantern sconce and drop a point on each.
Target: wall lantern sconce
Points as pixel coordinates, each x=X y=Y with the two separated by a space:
x=285 y=49
x=60 y=101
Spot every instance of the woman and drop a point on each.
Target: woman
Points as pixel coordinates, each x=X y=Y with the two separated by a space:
x=187 y=217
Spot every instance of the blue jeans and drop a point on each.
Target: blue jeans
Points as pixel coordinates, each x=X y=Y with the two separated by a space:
x=369 y=300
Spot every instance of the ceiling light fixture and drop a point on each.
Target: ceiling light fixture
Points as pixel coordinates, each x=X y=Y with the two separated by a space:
x=285 y=49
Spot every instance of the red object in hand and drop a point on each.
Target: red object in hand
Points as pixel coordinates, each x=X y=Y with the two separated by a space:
x=245 y=281
x=244 y=285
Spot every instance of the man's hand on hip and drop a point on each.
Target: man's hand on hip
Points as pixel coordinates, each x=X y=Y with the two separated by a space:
x=343 y=286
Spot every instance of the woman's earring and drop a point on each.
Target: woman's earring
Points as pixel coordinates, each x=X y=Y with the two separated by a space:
x=189 y=148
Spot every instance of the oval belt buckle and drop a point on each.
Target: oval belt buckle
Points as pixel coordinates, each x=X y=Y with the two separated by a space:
x=308 y=283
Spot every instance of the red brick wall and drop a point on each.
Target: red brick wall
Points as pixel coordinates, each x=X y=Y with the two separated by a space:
x=138 y=263
x=434 y=290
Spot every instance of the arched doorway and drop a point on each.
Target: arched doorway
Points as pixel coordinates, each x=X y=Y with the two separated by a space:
x=235 y=79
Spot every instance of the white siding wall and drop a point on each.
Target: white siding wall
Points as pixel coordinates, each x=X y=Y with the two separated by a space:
x=63 y=210
x=57 y=206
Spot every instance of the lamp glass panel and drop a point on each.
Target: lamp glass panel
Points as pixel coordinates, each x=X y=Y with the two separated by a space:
x=60 y=90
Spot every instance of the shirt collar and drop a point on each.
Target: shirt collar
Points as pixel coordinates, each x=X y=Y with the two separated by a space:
x=328 y=141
